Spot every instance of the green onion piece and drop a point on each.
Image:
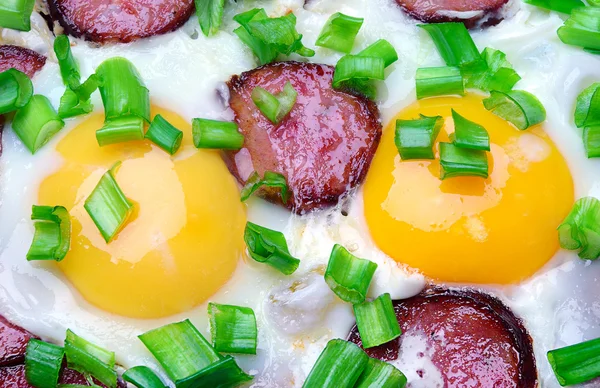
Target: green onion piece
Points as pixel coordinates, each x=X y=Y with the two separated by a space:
x=270 y=180
x=164 y=135
x=16 y=90
x=379 y=374
x=348 y=276
x=264 y=52
x=36 y=123
x=591 y=141
x=108 y=206
x=16 y=14
x=69 y=69
x=275 y=107
x=582 y=28
x=339 y=32
x=351 y=67
x=456 y=46
x=269 y=247
x=415 y=138
x=210 y=15
x=376 y=321
x=564 y=6
x=43 y=361
x=339 y=366
x=122 y=89
x=456 y=161
x=78 y=386
x=119 y=130
x=381 y=49
x=499 y=74
x=180 y=349
x=592 y=51
x=581 y=228
x=85 y=357
x=468 y=134
x=587 y=109
x=577 y=363
x=77 y=102
x=439 y=81
x=216 y=134
x=519 y=107
x=143 y=377
x=52 y=237
x=233 y=328
x=223 y=373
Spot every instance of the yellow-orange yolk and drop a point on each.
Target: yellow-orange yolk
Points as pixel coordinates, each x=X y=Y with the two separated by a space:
x=184 y=239
x=468 y=229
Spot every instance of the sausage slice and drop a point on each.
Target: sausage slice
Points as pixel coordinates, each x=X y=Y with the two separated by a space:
x=119 y=20
x=13 y=342
x=323 y=147
x=472 y=338
x=472 y=12
x=14 y=377
x=22 y=59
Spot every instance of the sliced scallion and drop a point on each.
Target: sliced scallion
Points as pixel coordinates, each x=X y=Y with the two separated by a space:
x=376 y=321
x=233 y=328
x=71 y=105
x=587 y=109
x=456 y=161
x=582 y=28
x=264 y=52
x=87 y=358
x=52 y=237
x=339 y=32
x=499 y=74
x=210 y=15
x=381 y=49
x=468 y=134
x=415 y=138
x=216 y=134
x=348 y=276
x=339 y=366
x=519 y=107
x=37 y=122
x=222 y=373
x=16 y=90
x=143 y=377
x=564 y=6
x=351 y=67
x=119 y=130
x=43 y=362
x=269 y=246
x=164 y=134
x=577 y=363
x=439 y=81
x=379 y=374
x=591 y=141
x=581 y=228
x=69 y=69
x=275 y=107
x=271 y=180
x=16 y=14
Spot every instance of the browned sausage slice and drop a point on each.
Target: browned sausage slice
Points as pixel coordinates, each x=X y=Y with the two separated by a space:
x=471 y=12
x=472 y=338
x=120 y=20
x=14 y=377
x=13 y=342
x=323 y=147
x=22 y=59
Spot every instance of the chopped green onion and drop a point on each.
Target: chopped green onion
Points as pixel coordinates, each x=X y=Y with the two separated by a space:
x=264 y=52
x=519 y=107
x=564 y=6
x=456 y=161
x=119 y=130
x=216 y=134
x=587 y=110
x=77 y=102
x=69 y=69
x=468 y=134
x=180 y=349
x=339 y=32
x=439 y=81
x=16 y=90
x=415 y=138
x=381 y=49
x=122 y=89
x=164 y=135
x=456 y=46
x=16 y=14
x=348 y=276
x=36 y=123
x=379 y=374
x=592 y=51
x=271 y=179
x=582 y=28
x=581 y=228
x=351 y=67
x=52 y=237
x=591 y=141
x=577 y=363
x=499 y=74
x=223 y=373
x=210 y=15
x=376 y=321
x=85 y=357
x=275 y=107
x=233 y=328
x=339 y=366
x=143 y=377
x=269 y=247
x=108 y=207
x=43 y=361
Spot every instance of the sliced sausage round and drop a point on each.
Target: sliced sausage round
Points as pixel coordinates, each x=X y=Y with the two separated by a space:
x=119 y=21
x=14 y=377
x=13 y=342
x=471 y=338
x=22 y=59
x=323 y=147
x=471 y=12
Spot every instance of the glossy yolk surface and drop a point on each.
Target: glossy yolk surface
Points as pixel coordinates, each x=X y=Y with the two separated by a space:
x=184 y=239
x=468 y=229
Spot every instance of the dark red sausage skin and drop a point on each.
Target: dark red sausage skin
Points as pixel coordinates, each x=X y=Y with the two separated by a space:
x=475 y=340
x=13 y=341
x=323 y=147
x=436 y=11
x=14 y=377
x=22 y=59
x=120 y=21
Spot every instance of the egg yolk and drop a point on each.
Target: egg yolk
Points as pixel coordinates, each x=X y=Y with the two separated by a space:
x=467 y=229
x=185 y=237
